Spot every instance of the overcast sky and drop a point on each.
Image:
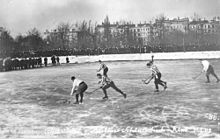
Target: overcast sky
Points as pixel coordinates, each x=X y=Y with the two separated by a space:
x=19 y=16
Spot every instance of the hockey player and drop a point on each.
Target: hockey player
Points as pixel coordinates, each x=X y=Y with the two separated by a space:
x=79 y=87
x=106 y=83
x=103 y=67
x=156 y=74
x=208 y=69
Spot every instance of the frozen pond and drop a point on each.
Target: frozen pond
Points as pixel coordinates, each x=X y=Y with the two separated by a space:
x=31 y=102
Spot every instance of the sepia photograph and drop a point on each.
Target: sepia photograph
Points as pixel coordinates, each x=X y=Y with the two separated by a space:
x=109 y=69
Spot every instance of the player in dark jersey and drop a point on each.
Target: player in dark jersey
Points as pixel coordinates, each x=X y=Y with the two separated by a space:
x=106 y=83
x=156 y=74
x=103 y=67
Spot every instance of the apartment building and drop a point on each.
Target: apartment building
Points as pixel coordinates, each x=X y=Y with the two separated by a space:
x=146 y=31
x=205 y=26
x=112 y=27
x=180 y=24
x=198 y=26
x=142 y=31
x=172 y=25
x=70 y=35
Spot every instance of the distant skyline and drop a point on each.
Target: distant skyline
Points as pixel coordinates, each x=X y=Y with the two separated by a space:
x=19 y=16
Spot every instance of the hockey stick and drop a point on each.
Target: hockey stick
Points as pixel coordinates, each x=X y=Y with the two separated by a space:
x=197 y=76
x=93 y=91
x=144 y=80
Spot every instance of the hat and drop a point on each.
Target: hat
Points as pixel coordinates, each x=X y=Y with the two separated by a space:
x=149 y=63
x=73 y=77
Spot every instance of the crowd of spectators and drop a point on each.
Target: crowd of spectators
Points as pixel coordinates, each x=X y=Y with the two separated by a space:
x=100 y=51
x=30 y=59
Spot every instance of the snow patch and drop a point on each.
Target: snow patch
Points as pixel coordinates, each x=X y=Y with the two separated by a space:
x=143 y=56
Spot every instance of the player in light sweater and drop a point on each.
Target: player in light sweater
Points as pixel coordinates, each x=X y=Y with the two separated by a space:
x=208 y=69
x=79 y=87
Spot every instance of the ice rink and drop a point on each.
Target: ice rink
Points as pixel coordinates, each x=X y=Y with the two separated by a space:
x=31 y=102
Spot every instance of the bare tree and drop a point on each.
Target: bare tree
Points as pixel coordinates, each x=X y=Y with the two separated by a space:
x=86 y=37
x=6 y=43
x=107 y=32
x=64 y=30
x=33 y=41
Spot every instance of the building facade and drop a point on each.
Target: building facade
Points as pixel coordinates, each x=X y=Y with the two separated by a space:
x=69 y=37
x=143 y=32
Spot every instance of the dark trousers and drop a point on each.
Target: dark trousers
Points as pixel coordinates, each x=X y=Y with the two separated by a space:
x=105 y=72
x=211 y=71
x=81 y=89
x=158 y=81
x=112 y=84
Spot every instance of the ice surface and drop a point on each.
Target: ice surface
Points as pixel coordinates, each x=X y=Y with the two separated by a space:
x=32 y=102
